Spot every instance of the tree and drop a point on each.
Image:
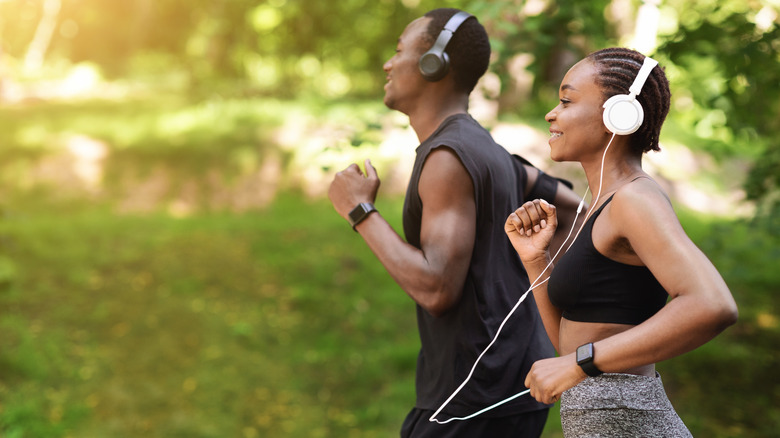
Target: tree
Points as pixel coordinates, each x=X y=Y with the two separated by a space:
x=43 y=34
x=731 y=59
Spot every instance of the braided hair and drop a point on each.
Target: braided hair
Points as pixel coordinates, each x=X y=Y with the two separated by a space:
x=468 y=50
x=617 y=68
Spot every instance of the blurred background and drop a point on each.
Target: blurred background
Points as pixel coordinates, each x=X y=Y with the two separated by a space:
x=170 y=266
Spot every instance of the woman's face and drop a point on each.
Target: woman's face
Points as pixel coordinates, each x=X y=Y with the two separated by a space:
x=576 y=125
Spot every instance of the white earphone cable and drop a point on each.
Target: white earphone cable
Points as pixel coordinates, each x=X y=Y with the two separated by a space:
x=533 y=286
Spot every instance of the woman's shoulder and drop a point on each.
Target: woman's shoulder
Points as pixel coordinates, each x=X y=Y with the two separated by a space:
x=640 y=193
x=642 y=204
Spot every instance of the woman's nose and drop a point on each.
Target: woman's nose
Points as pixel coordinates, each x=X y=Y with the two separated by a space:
x=550 y=116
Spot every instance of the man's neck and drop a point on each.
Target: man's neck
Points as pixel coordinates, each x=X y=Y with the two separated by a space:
x=425 y=123
x=437 y=102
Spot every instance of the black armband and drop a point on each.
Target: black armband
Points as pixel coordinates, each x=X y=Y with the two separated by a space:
x=545 y=187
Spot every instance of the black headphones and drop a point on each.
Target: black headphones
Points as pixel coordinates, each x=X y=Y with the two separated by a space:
x=435 y=62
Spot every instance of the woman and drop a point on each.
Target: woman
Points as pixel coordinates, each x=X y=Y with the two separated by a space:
x=605 y=305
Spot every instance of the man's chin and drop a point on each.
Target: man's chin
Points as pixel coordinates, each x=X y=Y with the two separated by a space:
x=388 y=103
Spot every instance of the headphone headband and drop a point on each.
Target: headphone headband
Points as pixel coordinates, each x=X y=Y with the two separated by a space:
x=449 y=30
x=642 y=76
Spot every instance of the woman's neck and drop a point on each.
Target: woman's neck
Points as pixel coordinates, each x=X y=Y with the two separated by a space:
x=609 y=172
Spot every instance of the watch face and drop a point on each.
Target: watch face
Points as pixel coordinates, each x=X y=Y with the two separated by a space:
x=584 y=352
x=357 y=212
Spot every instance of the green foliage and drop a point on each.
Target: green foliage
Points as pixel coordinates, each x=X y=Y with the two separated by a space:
x=723 y=54
x=746 y=252
x=754 y=243
x=555 y=36
x=330 y=48
x=280 y=47
x=177 y=141
x=728 y=71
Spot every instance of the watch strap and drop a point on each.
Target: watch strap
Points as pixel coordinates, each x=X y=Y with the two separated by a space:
x=585 y=360
x=590 y=369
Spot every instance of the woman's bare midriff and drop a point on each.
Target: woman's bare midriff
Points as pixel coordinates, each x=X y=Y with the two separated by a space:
x=574 y=333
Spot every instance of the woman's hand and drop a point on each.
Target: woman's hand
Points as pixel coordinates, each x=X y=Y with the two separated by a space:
x=530 y=229
x=548 y=378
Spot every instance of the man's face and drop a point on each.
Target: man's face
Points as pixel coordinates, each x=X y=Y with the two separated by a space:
x=404 y=80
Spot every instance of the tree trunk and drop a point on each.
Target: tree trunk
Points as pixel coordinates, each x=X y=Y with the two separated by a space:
x=36 y=51
x=646 y=31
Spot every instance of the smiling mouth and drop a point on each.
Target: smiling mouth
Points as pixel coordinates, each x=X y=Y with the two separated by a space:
x=555 y=134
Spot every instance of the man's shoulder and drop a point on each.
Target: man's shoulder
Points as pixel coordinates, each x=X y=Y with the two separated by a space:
x=462 y=131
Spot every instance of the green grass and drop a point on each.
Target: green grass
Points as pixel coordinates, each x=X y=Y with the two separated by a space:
x=273 y=323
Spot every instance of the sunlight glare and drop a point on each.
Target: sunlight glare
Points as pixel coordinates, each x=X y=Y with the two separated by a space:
x=766 y=320
x=765 y=18
x=646 y=31
x=69 y=29
x=82 y=79
x=264 y=71
x=88 y=156
x=309 y=65
x=336 y=83
x=265 y=18
x=533 y=8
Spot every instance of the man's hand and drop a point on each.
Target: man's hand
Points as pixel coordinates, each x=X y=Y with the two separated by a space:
x=351 y=187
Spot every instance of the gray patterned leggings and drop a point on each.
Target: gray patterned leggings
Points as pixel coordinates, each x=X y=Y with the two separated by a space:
x=620 y=405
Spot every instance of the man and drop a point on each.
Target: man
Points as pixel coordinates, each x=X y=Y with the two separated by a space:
x=456 y=262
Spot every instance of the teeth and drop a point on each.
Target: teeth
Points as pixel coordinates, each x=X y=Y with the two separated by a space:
x=555 y=134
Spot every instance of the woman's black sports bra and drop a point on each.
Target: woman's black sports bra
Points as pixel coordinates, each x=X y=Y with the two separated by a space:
x=589 y=287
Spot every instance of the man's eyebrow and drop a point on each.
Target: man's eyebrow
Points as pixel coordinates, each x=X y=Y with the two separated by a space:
x=568 y=87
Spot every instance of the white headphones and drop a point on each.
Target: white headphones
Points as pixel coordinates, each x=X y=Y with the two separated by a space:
x=623 y=114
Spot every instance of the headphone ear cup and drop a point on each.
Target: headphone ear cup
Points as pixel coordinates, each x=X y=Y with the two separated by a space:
x=623 y=114
x=434 y=66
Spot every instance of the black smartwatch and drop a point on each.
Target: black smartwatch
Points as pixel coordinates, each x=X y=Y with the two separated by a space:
x=585 y=360
x=360 y=212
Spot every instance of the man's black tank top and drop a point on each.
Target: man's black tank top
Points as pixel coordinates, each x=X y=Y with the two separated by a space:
x=589 y=287
x=494 y=283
